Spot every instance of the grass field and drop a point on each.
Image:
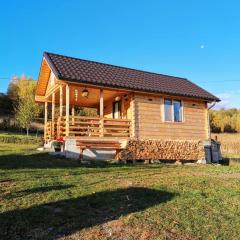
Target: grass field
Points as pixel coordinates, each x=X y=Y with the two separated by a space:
x=43 y=197
x=230 y=143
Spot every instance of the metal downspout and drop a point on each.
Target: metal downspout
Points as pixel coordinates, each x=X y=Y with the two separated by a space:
x=209 y=126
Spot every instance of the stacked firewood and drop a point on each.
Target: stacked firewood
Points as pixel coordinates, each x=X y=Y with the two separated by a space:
x=162 y=150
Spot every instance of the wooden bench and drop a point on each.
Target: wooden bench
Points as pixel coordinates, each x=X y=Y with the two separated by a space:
x=94 y=144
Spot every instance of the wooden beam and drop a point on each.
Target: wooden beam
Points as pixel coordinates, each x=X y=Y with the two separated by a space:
x=41 y=99
x=52 y=90
x=101 y=103
x=101 y=112
x=53 y=113
x=45 y=118
x=45 y=113
x=122 y=90
x=133 y=117
x=122 y=108
x=67 y=109
x=61 y=101
x=73 y=113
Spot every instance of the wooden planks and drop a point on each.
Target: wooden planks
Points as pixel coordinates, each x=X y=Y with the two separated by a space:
x=43 y=78
x=149 y=124
x=81 y=126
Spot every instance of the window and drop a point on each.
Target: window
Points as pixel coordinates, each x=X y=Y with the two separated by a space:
x=168 y=110
x=172 y=110
x=177 y=109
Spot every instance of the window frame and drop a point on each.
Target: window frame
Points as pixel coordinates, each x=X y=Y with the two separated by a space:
x=172 y=110
x=164 y=109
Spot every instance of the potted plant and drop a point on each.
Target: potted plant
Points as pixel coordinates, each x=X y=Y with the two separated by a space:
x=58 y=144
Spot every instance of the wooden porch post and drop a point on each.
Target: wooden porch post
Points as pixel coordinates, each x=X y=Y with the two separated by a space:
x=45 y=118
x=133 y=117
x=122 y=108
x=101 y=113
x=67 y=110
x=101 y=103
x=73 y=113
x=61 y=101
x=59 y=119
x=53 y=114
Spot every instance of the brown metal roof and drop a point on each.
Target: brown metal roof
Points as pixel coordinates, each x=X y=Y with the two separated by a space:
x=101 y=74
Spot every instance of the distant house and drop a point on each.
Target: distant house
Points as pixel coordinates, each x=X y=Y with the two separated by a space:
x=131 y=104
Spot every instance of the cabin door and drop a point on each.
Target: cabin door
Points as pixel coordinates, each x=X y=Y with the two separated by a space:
x=116 y=109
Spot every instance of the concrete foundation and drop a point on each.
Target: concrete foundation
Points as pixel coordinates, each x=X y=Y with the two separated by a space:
x=72 y=151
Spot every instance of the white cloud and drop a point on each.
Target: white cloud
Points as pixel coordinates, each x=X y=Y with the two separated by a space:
x=230 y=99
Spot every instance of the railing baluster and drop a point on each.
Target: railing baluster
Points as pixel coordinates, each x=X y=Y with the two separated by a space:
x=95 y=127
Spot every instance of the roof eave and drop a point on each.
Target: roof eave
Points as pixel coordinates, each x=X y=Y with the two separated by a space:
x=209 y=100
x=52 y=66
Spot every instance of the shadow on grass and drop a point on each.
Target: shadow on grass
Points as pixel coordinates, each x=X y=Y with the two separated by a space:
x=34 y=160
x=26 y=192
x=62 y=218
x=44 y=189
x=44 y=160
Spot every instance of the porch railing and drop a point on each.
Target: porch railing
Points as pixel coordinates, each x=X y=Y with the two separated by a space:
x=48 y=131
x=91 y=127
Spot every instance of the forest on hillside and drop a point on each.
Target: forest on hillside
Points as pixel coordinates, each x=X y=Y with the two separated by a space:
x=225 y=120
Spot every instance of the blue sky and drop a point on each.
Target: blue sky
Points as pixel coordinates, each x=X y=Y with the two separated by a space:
x=199 y=40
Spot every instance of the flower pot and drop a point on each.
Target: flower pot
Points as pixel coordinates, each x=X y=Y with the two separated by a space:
x=57 y=149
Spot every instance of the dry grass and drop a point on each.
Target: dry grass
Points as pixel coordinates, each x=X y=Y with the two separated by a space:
x=230 y=143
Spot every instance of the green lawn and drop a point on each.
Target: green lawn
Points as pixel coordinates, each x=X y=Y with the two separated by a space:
x=43 y=197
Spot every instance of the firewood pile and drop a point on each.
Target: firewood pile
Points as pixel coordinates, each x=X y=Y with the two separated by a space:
x=176 y=150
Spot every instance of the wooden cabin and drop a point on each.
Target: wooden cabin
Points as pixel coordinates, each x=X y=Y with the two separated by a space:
x=128 y=103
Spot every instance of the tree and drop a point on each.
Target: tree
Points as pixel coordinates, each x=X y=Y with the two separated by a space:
x=26 y=109
x=12 y=91
x=6 y=105
x=225 y=120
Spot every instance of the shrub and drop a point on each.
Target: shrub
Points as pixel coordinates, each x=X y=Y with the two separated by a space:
x=20 y=139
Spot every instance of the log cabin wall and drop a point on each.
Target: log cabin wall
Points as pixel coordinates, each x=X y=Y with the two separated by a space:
x=108 y=109
x=150 y=124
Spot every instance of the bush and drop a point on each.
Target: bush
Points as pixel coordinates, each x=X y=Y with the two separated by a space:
x=225 y=120
x=20 y=139
x=8 y=124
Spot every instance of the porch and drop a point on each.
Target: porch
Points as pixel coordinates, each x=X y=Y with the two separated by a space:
x=111 y=119
x=87 y=127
